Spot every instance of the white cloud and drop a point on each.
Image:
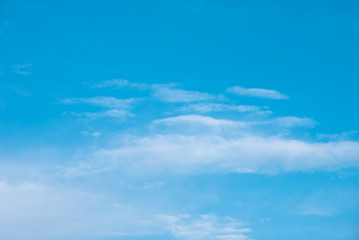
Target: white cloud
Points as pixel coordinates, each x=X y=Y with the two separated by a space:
x=338 y=136
x=163 y=92
x=114 y=114
x=32 y=211
x=108 y=102
x=290 y=122
x=257 y=92
x=218 y=107
x=183 y=154
x=35 y=211
x=199 y=125
x=93 y=134
x=198 y=144
x=122 y=83
x=184 y=122
x=198 y=119
x=170 y=94
x=204 y=227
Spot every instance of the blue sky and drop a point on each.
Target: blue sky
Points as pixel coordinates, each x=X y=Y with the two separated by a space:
x=179 y=120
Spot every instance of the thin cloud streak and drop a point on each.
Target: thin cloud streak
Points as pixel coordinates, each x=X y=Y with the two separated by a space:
x=113 y=113
x=220 y=107
x=163 y=92
x=204 y=227
x=107 y=102
x=191 y=119
x=122 y=83
x=257 y=92
x=315 y=211
x=169 y=94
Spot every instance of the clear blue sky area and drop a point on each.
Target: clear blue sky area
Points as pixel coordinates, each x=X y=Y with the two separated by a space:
x=193 y=120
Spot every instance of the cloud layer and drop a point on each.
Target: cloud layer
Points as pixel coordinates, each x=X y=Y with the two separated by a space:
x=197 y=142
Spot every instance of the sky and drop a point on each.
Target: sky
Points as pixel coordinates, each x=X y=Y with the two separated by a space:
x=189 y=120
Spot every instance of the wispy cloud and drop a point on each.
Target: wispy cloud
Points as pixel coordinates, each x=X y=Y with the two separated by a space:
x=93 y=134
x=257 y=92
x=122 y=83
x=170 y=94
x=186 y=154
x=114 y=114
x=220 y=107
x=204 y=227
x=43 y=211
x=197 y=121
x=46 y=212
x=290 y=122
x=119 y=109
x=337 y=136
x=119 y=114
x=196 y=143
x=315 y=211
x=22 y=69
x=107 y=102
x=163 y=92
x=193 y=120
